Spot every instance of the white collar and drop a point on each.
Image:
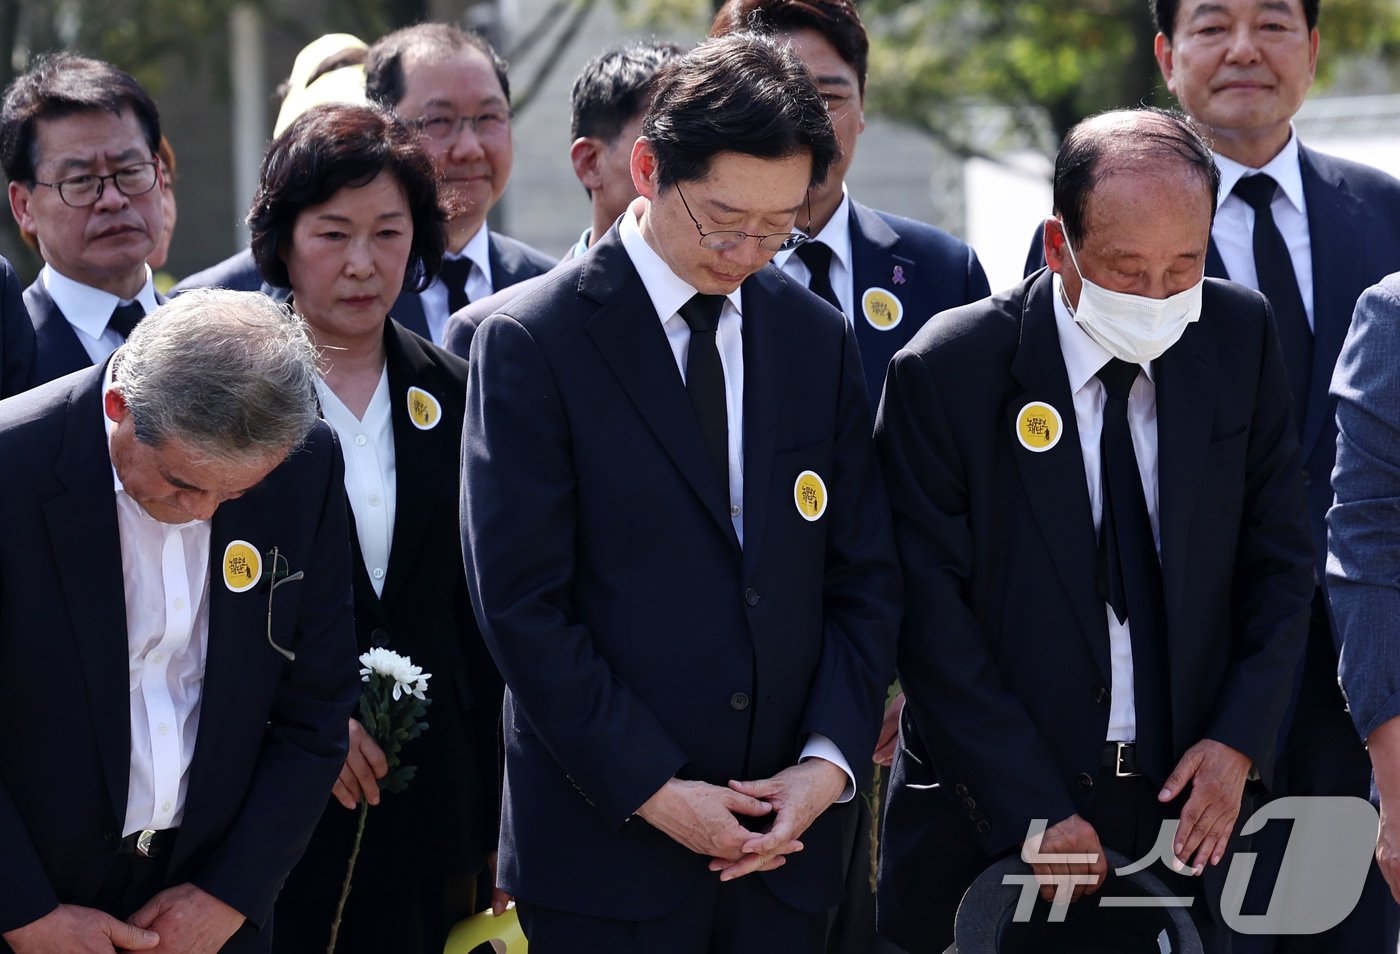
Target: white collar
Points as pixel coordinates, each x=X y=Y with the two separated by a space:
x=1284 y=168
x=477 y=250
x=89 y=309
x=667 y=290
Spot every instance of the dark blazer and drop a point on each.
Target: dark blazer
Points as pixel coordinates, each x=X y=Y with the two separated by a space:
x=462 y=324
x=512 y=261
x=271 y=732
x=638 y=640
x=239 y=272
x=1004 y=650
x=448 y=811
x=16 y=334
x=927 y=269
x=57 y=350
x=1354 y=228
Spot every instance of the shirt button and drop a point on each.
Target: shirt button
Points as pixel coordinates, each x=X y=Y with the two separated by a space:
x=179 y=603
x=164 y=729
x=751 y=596
x=361 y=440
x=165 y=806
x=378 y=573
x=735 y=510
x=739 y=702
x=157 y=657
x=374 y=500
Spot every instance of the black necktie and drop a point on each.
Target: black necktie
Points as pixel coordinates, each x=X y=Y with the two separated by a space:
x=454 y=274
x=817 y=257
x=704 y=380
x=1129 y=573
x=125 y=317
x=1280 y=285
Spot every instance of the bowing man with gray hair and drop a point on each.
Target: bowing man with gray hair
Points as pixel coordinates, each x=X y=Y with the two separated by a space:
x=176 y=644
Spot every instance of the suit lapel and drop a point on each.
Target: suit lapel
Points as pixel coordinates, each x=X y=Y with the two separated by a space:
x=1336 y=228
x=57 y=350
x=1053 y=480
x=767 y=327
x=1215 y=265
x=628 y=333
x=408 y=311
x=82 y=522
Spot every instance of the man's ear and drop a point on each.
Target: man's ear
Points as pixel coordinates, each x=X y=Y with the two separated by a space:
x=584 y=154
x=646 y=173
x=1162 y=50
x=1054 y=245
x=115 y=406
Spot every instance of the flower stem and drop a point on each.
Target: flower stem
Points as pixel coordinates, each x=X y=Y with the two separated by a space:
x=349 y=870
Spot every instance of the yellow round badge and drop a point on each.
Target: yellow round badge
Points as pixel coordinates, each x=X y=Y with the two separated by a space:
x=423 y=409
x=809 y=493
x=882 y=309
x=1038 y=427
x=242 y=566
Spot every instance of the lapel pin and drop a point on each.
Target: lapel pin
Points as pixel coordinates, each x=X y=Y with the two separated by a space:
x=423 y=409
x=1038 y=427
x=882 y=308
x=898 y=276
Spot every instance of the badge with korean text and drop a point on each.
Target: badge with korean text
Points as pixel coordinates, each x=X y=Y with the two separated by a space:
x=1038 y=427
x=242 y=566
x=423 y=409
x=809 y=493
x=881 y=308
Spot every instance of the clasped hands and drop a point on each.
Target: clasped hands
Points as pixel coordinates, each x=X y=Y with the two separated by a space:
x=704 y=817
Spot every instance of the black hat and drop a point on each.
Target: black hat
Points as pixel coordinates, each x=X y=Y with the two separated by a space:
x=985 y=921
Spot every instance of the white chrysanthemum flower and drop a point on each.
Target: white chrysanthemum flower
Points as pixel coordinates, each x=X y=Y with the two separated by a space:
x=407 y=677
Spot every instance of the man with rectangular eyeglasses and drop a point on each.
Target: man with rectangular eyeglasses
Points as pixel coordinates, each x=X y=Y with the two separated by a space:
x=79 y=139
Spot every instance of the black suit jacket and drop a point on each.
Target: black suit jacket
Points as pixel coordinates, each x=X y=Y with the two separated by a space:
x=448 y=812
x=1004 y=651
x=16 y=334
x=57 y=350
x=927 y=269
x=239 y=272
x=637 y=639
x=271 y=732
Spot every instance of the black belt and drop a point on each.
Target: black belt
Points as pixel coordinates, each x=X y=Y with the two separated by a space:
x=148 y=843
x=1122 y=758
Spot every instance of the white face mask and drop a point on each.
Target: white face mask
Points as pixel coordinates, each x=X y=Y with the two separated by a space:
x=1130 y=327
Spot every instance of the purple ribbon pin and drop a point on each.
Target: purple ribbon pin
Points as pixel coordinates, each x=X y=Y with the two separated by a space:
x=898 y=277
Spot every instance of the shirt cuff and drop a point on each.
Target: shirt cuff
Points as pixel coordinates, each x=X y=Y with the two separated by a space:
x=820 y=747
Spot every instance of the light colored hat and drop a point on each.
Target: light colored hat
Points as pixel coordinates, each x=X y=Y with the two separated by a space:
x=343 y=85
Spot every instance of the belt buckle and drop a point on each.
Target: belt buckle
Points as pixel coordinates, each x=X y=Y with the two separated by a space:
x=1118 y=770
x=143 y=842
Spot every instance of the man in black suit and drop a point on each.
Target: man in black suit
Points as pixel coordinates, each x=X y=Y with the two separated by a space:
x=678 y=543
x=1329 y=229
x=79 y=140
x=176 y=646
x=887 y=274
x=453 y=87
x=608 y=101
x=1103 y=660
x=16 y=333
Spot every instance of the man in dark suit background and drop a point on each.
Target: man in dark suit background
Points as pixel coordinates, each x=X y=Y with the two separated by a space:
x=1328 y=230
x=678 y=545
x=453 y=86
x=78 y=140
x=176 y=647
x=609 y=98
x=16 y=333
x=1106 y=686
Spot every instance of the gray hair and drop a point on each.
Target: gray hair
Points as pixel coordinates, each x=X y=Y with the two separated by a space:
x=229 y=374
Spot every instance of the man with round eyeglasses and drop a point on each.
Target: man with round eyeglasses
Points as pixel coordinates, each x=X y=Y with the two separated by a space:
x=77 y=144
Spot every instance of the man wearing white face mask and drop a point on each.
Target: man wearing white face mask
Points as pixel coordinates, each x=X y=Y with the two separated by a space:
x=1098 y=504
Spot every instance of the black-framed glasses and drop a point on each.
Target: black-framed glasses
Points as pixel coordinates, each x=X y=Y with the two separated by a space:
x=722 y=239
x=81 y=191
x=280 y=573
x=444 y=126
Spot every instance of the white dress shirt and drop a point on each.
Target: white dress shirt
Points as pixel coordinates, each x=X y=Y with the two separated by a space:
x=837 y=237
x=89 y=309
x=1083 y=358
x=434 y=297
x=668 y=292
x=371 y=475
x=1233 y=230
x=165 y=577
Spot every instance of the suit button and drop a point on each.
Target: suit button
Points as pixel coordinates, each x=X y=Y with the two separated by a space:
x=1086 y=780
x=960 y=788
x=110 y=837
x=379 y=638
x=1101 y=695
x=739 y=702
x=1307 y=479
x=751 y=596
x=983 y=827
x=969 y=803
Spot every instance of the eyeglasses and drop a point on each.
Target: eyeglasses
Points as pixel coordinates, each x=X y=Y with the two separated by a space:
x=79 y=192
x=444 y=126
x=281 y=573
x=723 y=239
